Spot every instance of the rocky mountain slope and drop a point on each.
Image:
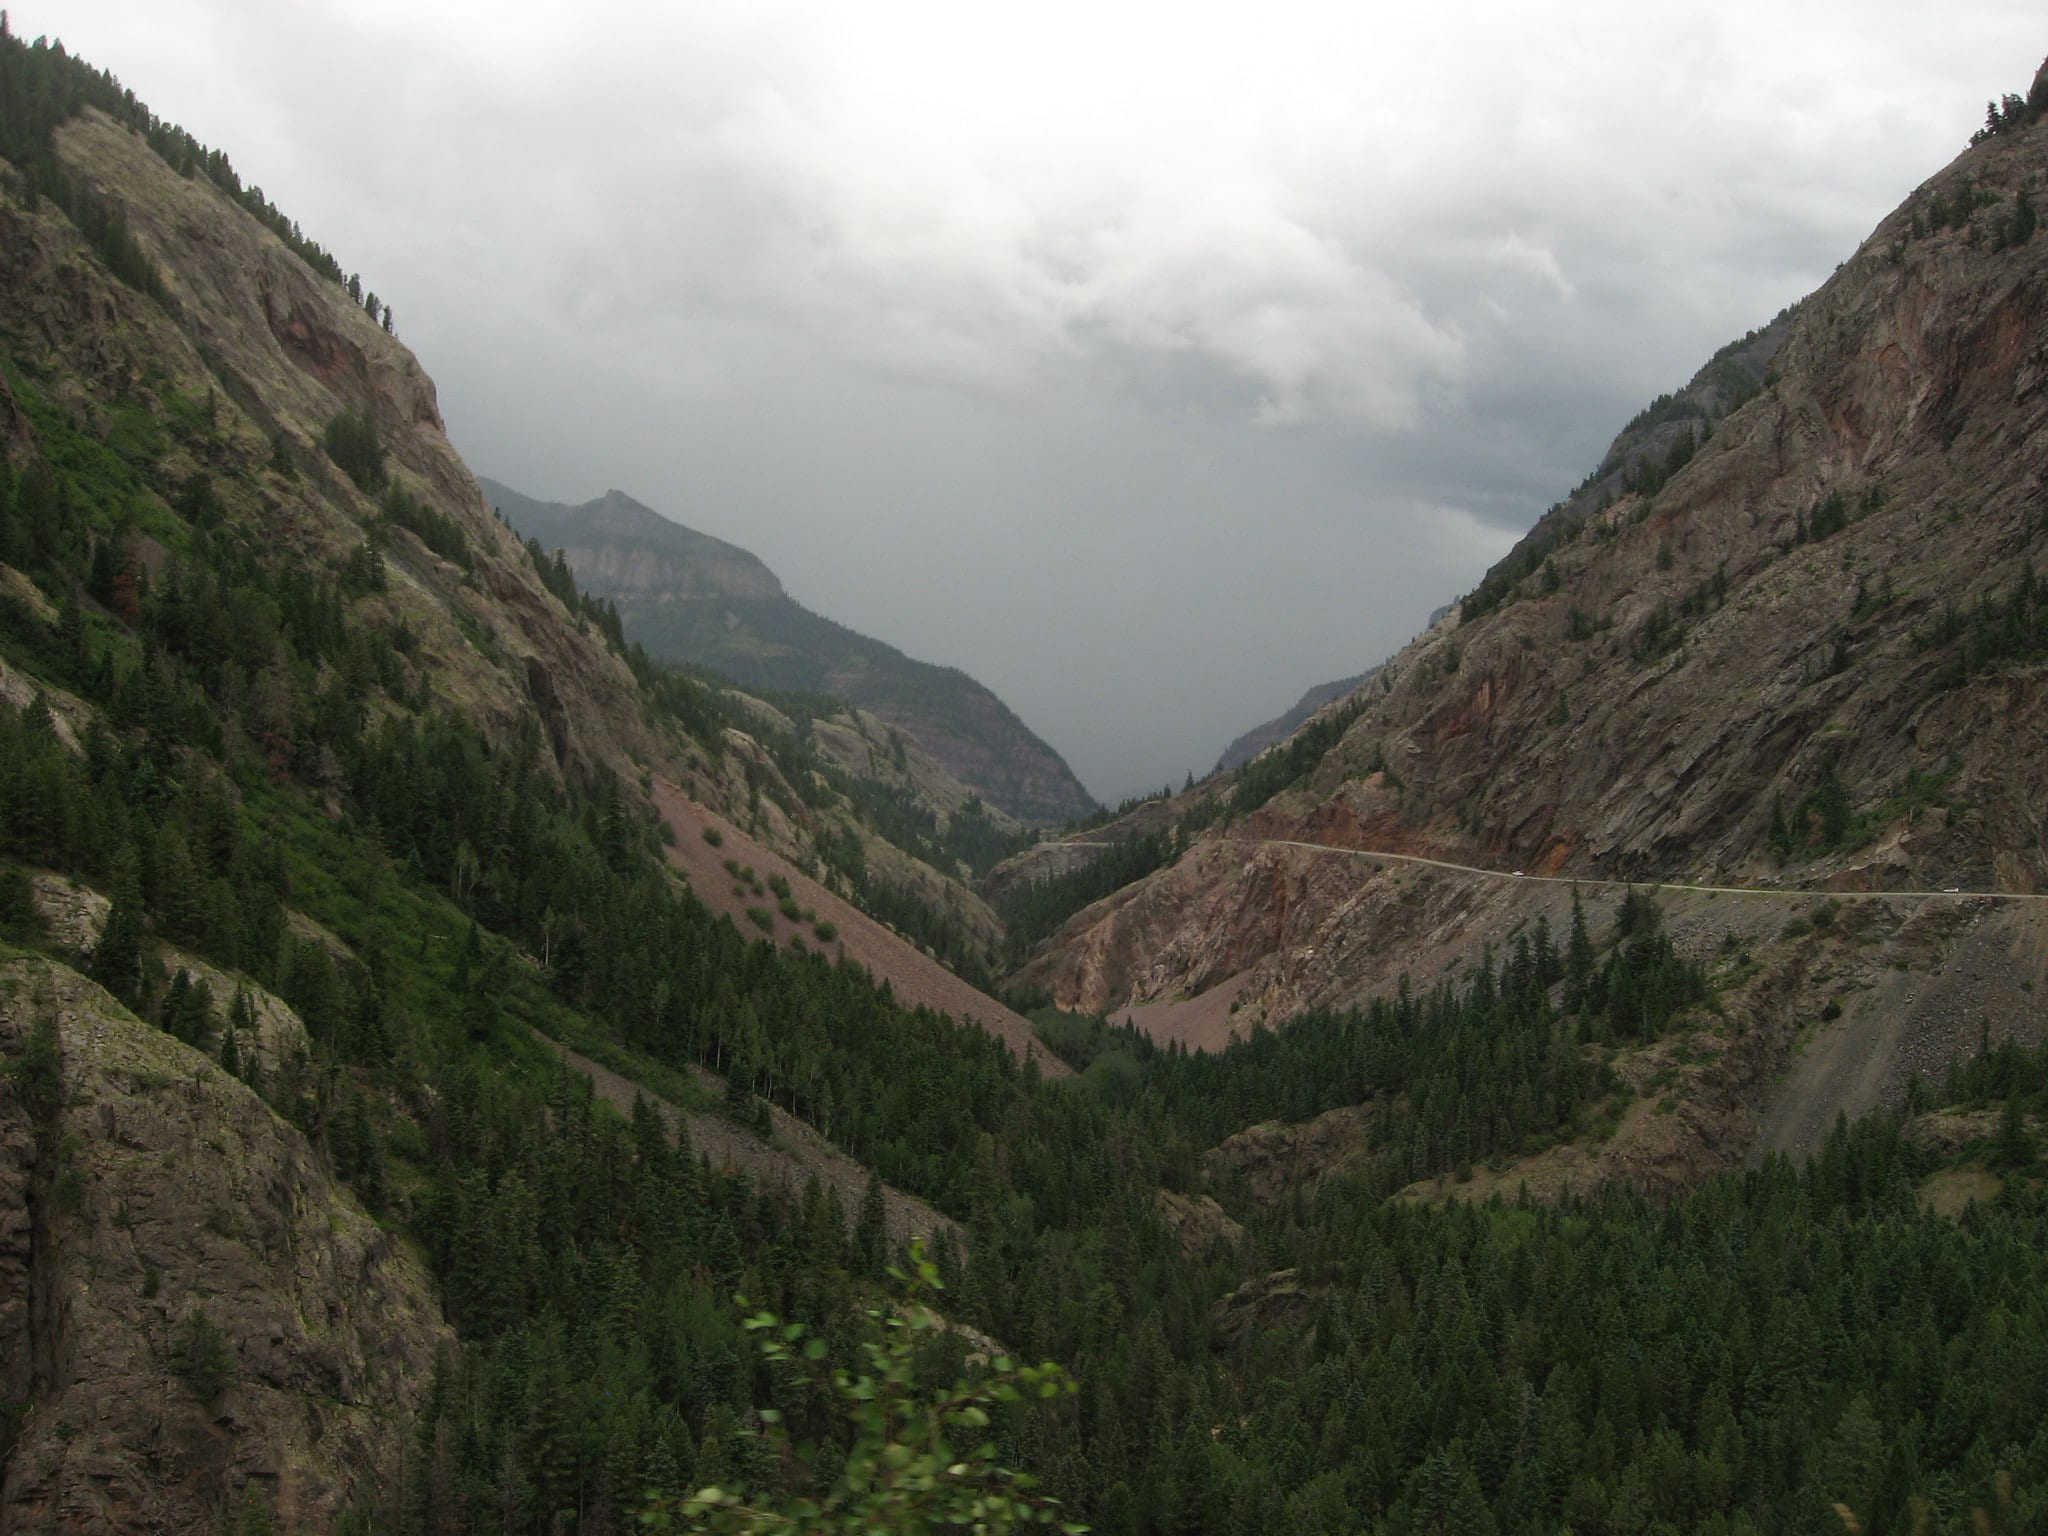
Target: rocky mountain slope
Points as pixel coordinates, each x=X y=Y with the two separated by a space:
x=695 y=599
x=276 y=352
x=273 y=353
x=1652 y=447
x=1809 y=653
x=192 y=1302
x=244 y=568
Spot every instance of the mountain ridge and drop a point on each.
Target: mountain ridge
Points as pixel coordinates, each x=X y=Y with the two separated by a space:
x=387 y=1134
x=1807 y=651
x=1653 y=445
x=692 y=598
x=266 y=649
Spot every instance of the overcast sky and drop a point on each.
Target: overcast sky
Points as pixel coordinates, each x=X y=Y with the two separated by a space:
x=1151 y=362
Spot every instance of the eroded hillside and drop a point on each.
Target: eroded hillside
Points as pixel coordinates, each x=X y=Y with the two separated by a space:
x=1811 y=658
x=287 y=713
x=193 y=1304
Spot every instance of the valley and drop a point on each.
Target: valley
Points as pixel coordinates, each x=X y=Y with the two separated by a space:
x=481 y=1061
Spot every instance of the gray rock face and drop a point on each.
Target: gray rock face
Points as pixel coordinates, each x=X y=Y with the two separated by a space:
x=1274 y=1158
x=152 y=1187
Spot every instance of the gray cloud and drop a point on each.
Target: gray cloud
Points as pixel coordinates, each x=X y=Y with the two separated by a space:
x=1151 y=362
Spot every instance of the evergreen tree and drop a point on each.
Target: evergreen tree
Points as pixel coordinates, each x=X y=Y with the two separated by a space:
x=1578 y=958
x=2014 y=1147
x=871 y=1236
x=120 y=959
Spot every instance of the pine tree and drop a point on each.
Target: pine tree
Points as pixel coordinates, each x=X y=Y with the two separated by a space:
x=871 y=1233
x=120 y=958
x=1578 y=959
x=1780 y=834
x=202 y=1356
x=2014 y=1147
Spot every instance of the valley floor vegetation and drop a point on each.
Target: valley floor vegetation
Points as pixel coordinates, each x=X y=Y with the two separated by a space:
x=227 y=743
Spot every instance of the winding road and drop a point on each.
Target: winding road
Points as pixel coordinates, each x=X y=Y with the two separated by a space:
x=1790 y=893
x=1650 y=885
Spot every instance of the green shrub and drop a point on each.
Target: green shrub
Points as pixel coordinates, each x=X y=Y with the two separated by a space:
x=922 y=1458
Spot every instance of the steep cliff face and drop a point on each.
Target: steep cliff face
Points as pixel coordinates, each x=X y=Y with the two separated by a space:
x=1800 y=662
x=273 y=352
x=695 y=599
x=193 y=1315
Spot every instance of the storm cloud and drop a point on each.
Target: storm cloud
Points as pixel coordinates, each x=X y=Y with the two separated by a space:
x=1150 y=362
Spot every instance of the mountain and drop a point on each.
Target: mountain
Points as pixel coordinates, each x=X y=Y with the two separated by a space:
x=455 y=1075
x=1795 y=647
x=1282 y=726
x=1654 y=445
x=690 y=598
x=342 y=847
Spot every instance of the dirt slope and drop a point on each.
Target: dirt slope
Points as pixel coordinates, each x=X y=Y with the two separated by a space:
x=915 y=977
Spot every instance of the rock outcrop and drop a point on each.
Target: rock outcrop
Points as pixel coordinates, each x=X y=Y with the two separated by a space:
x=1277 y=1300
x=1196 y=1221
x=193 y=1315
x=1272 y=1159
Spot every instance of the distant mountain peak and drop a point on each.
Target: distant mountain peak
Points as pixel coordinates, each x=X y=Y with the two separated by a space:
x=691 y=597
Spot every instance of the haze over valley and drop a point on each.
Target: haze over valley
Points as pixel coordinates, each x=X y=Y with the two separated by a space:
x=1150 y=366
x=708 y=985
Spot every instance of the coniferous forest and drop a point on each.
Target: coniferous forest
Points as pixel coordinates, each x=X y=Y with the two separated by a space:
x=250 y=741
